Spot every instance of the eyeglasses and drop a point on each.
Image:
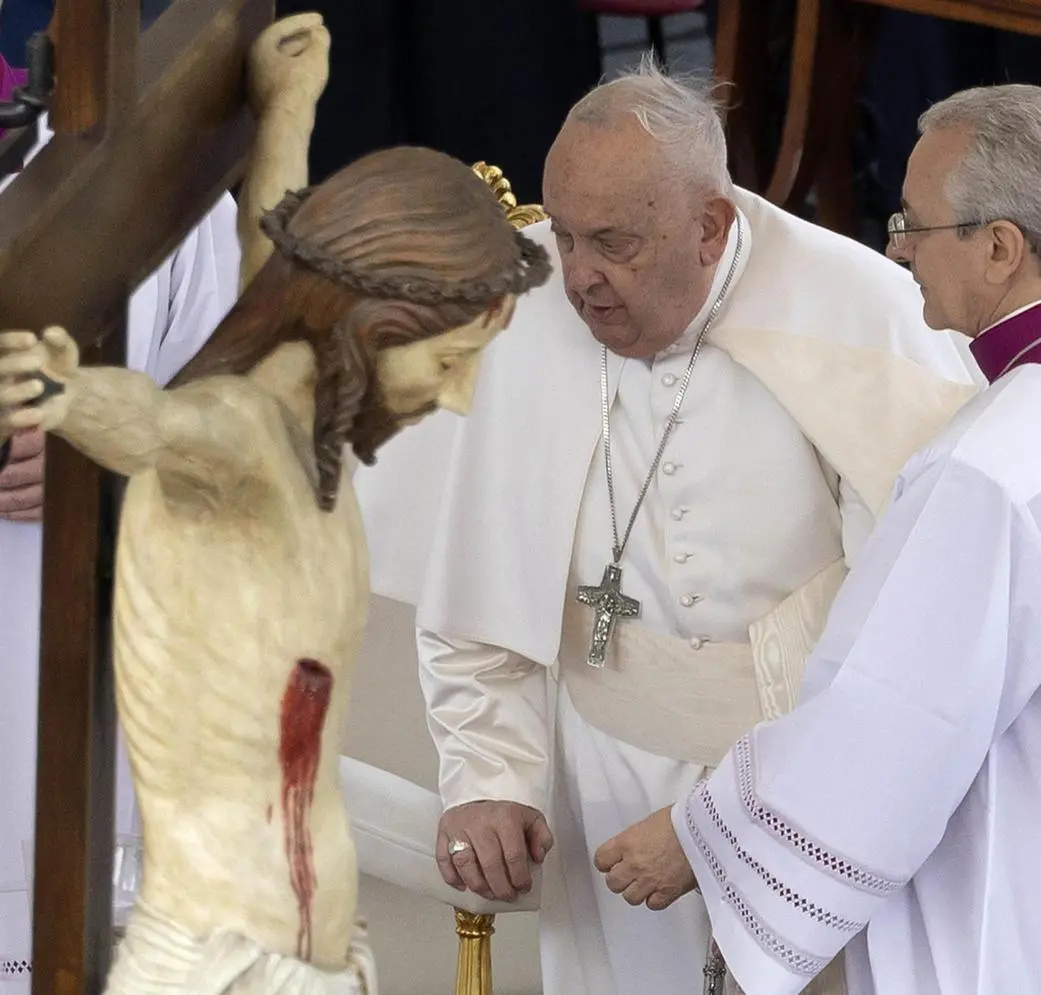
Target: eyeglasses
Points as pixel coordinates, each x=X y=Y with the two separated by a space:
x=898 y=228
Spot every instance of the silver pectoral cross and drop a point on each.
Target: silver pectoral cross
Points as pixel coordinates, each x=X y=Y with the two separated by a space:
x=715 y=972
x=608 y=603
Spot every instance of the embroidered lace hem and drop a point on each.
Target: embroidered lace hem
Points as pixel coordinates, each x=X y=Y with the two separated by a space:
x=795 y=960
x=811 y=851
x=774 y=883
x=12 y=968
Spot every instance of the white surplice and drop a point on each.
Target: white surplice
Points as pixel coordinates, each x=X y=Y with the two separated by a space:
x=171 y=315
x=743 y=510
x=903 y=793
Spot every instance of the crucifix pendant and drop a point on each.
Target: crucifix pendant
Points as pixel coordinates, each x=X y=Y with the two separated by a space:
x=608 y=603
x=715 y=972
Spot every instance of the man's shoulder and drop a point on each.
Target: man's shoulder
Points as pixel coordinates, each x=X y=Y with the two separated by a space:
x=836 y=264
x=994 y=438
x=803 y=279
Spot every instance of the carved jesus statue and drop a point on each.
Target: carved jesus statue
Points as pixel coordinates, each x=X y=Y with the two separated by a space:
x=241 y=583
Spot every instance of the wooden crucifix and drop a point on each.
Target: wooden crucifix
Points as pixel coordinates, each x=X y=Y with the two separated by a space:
x=149 y=130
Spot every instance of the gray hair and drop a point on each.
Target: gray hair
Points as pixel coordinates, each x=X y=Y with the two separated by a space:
x=680 y=112
x=999 y=177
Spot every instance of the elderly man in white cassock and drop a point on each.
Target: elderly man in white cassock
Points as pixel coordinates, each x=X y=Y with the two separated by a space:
x=895 y=811
x=673 y=456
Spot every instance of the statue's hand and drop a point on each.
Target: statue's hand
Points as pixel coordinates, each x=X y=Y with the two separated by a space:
x=34 y=373
x=289 y=64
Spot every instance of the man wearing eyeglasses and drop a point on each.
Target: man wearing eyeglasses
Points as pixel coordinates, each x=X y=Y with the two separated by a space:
x=895 y=812
x=970 y=203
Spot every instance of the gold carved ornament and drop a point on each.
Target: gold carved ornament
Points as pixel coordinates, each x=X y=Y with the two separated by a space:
x=519 y=215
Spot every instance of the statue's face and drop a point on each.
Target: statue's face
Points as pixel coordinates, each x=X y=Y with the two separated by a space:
x=438 y=372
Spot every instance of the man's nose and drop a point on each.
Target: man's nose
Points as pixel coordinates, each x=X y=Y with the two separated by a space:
x=899 y=254
x=580 y=277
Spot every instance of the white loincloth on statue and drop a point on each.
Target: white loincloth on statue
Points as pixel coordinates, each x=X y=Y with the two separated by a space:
x=159 y=957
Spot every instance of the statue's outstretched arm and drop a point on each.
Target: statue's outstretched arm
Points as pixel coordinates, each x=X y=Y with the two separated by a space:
x=206 y=432
x=288 y=69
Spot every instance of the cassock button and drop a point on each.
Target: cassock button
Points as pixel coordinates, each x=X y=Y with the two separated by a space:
x=678 y=513
x=668 y=469
x=697 y=642
x=688 y=600
x=681 y=557
x=668 y=379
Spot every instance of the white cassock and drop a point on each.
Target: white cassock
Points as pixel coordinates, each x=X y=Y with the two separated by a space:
x=904 y=793
x=170 y=316
x=817 y=381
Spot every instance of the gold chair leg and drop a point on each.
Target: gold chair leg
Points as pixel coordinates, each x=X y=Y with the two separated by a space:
x=473 y=975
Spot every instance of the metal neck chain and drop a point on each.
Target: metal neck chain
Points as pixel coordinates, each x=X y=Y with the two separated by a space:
x=619 y=544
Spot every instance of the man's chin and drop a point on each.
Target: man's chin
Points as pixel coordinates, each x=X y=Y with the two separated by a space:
x=935 y=321
x=627 y=343
x=618 y=336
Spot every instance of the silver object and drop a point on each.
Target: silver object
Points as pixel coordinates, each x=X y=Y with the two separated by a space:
x=608 y=603
x=457 y=846
x=715 y=972
x=607 y=599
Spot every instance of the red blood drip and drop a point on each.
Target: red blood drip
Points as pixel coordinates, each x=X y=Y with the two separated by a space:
x=304 y=707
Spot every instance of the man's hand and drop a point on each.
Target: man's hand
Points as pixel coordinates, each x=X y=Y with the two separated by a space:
x=502 y=841
x=289 y=64
x=21 y=481
x=646 y=863
x=27 y=363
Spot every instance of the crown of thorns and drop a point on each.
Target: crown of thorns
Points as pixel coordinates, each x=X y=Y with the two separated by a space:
x=531 y=269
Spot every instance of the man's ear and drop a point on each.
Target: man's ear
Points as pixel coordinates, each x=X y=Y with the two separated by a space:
x=1007 y=249
x=717 y=216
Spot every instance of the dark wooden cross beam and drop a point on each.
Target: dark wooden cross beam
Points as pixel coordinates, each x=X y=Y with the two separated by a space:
x=149 y=131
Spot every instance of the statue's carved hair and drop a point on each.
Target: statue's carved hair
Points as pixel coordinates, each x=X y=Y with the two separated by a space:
x=400 y=246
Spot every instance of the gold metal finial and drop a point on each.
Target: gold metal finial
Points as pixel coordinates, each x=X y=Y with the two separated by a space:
x=473 y=974
x=520 y=215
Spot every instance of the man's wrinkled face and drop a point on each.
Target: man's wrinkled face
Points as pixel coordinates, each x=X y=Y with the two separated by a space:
x=439 y=372
x=638 y=244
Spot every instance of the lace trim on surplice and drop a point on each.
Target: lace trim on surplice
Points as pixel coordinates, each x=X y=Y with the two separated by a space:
x=12 y=968
x=812 y=852
x=797 y=961
x=774 y=883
